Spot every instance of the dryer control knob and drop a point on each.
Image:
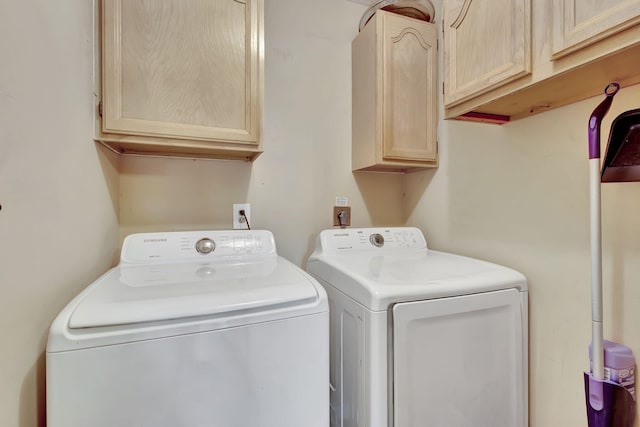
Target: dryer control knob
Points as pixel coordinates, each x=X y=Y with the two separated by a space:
x=377 y=240
x=205 y=246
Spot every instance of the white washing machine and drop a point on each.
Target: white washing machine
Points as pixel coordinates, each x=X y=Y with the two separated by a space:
x=207 y=328
x=421 y=338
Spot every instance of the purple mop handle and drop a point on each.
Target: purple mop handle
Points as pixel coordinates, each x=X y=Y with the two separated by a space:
x=595 y=388
x=596 y=119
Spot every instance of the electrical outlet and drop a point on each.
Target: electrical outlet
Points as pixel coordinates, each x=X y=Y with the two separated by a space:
x=342 y=216
x=239 y=221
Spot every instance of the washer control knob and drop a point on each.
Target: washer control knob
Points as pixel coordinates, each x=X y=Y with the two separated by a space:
x=377 y=240
x=205 y=246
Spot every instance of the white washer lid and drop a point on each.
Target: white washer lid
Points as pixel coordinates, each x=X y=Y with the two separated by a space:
x=130 y=294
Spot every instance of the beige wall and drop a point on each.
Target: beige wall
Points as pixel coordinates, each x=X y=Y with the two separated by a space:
x=515 y=194
x=58 y=222
x=307 y=136
x=518 y=195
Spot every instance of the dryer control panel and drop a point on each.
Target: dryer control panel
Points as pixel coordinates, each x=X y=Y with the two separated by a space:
x=370 y=239
x=196 y=245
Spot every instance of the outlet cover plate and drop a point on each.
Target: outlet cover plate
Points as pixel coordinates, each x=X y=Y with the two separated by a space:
x=347 y=219
x=239 y=222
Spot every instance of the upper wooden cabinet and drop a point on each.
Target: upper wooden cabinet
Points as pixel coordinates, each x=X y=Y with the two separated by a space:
x=488 y=44
x=575 y=49
x=182 y=77
x=578 y=24
x=394 y=83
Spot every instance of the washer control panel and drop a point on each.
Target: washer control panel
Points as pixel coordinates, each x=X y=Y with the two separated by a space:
x=196 y=245
x=368 y=239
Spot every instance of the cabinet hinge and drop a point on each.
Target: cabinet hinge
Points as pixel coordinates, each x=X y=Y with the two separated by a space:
x=443 y=88
x=100 y=108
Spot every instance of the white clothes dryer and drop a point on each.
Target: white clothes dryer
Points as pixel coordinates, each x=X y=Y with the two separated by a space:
x=421 y=338
x=205 y=328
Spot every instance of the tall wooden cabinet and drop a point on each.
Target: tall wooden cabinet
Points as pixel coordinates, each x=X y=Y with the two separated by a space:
x=182 y=77
x=394 y=81
x=508 y=59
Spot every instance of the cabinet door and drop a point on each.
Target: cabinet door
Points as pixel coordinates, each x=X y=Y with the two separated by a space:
x=580 y=23
x=181 y=69
x=409 y=89
x=487 y=43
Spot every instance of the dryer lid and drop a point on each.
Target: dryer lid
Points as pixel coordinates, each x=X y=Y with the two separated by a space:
x=130 y=294
x=377 y=281
x=381 y=266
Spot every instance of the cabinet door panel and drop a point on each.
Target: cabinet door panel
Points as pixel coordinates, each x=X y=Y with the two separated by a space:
x=487 y=44
x=410 y=82
x=183 y=69
x=580 y=23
